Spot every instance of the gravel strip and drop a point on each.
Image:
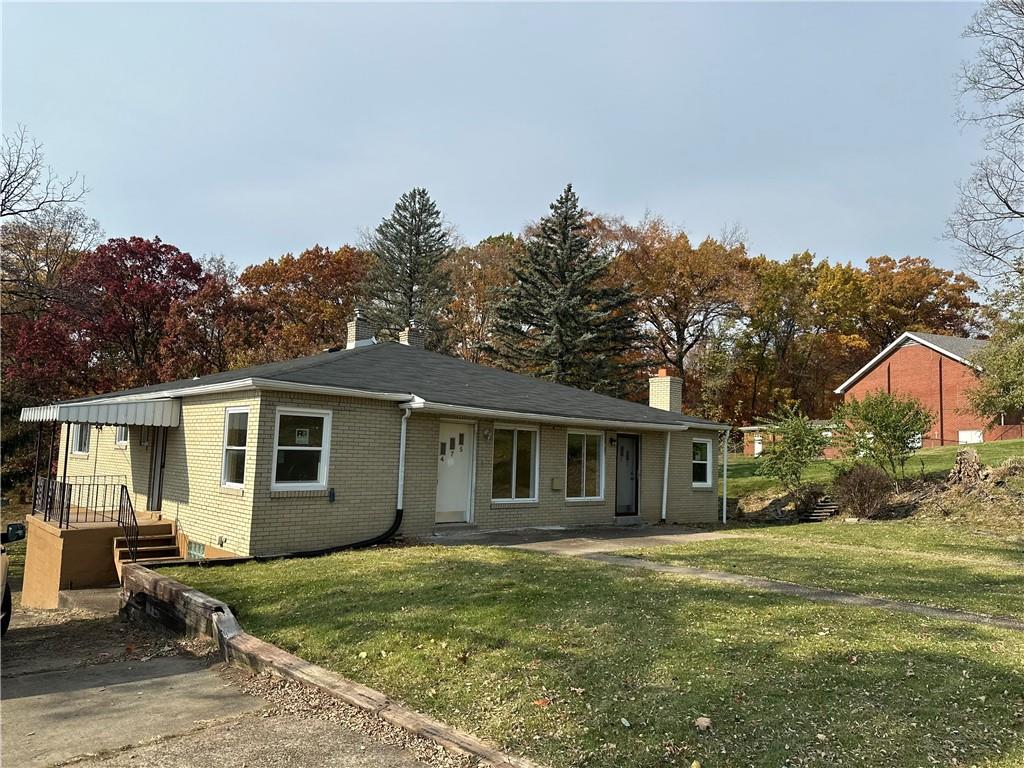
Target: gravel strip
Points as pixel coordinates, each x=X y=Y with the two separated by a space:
x=290 y=698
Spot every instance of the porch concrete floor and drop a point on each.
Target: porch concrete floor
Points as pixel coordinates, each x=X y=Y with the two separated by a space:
x=579 y=541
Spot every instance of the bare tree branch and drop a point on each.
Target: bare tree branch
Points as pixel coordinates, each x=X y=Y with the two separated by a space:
x=27 y=184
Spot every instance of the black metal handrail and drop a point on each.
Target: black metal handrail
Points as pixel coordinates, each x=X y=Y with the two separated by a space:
x=88 y=499
x=129 y=523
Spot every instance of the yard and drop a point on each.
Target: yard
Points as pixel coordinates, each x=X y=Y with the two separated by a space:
x=930 y=462
x=941 y=565
x=576 y=663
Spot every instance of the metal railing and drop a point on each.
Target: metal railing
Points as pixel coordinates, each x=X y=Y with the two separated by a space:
x=88 y=499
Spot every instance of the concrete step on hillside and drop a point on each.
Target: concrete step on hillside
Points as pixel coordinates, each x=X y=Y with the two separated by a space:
x=823 y=510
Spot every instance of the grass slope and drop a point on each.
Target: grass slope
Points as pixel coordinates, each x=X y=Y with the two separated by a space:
x=927 y=565
x=928 y=461
x=576 y=663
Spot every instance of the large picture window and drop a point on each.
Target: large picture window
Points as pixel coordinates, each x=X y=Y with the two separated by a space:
x=514 y=468
x=302 y=440
x=701 y=463
x=80 y=438
x=236 y=435
x=584 y=466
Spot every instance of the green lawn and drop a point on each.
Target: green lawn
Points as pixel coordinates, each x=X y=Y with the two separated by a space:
x=576 y=663
x=943 y=566
x=929 y=461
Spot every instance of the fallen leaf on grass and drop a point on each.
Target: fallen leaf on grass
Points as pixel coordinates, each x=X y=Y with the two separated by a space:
x=542 y=702
x=702 y=723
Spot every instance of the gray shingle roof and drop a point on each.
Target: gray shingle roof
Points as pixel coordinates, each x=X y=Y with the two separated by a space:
x=437 y=378
x=954 y=345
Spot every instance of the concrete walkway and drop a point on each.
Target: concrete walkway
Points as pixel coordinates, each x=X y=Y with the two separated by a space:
x=580 y=541
x=80 y=686
x=600 y=544
x=816 y=594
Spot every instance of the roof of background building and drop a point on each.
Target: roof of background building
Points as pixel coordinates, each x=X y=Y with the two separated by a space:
x=956 y=347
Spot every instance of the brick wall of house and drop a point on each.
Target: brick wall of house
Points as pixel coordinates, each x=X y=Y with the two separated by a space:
x=362 y=471
x=193 y=496
x=916 y=371
x=107 y=458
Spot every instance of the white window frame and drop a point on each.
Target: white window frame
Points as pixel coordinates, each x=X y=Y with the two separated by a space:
x=225 y=447
x=535 y=491
x=76 y=437
x=710 y=462
x=325 y=455
x=117 y=436
x=583 y=477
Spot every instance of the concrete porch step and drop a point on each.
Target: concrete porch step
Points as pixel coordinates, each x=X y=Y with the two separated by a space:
x=628 y=520
x=146 y=540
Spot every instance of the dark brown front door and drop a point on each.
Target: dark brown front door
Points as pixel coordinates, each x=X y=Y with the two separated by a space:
x=627 y=466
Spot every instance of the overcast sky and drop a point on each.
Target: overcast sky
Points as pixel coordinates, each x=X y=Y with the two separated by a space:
x=250 y=130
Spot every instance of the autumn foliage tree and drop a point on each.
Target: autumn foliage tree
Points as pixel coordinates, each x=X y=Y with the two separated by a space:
x=478 y=274
x=684 y=294
x=302 y=304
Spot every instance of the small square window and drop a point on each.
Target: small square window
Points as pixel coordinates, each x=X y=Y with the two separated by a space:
x=121 y=435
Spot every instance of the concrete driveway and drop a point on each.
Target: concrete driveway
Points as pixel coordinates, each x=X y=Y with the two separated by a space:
x=579 y=541
x=82 y=686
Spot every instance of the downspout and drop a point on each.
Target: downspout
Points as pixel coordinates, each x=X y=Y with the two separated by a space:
x=664 y=479
x=382 y=538
x=725 y=475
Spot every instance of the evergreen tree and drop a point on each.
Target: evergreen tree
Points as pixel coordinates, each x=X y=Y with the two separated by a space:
x=561 y=319
x=408 y=283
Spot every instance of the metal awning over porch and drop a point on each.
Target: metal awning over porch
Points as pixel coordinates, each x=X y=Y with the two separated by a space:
x=160 y=412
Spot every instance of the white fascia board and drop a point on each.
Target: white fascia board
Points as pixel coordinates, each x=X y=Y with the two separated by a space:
x=905 y=336
x=419 y=404
x=239 y=385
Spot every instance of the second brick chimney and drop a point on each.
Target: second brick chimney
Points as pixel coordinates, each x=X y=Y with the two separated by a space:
x=412 y=337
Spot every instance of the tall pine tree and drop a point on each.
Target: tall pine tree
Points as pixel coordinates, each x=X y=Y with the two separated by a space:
x=408 y=283
x=561 y=319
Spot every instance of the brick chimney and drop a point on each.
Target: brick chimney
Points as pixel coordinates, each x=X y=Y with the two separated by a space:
x=360 y=332
x=412 y=337
x=665 y=392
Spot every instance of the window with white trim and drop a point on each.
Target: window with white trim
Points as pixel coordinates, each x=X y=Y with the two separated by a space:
x=584 y=466
x=121 y=435
x=514 y=464
x=236 y=435
x=302 y=440
x=80 y=438
x=701 y=463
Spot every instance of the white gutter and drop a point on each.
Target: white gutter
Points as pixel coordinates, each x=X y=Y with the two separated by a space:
x=239 y=385
x=725 y=476
x=514 y=416
x=664 y=479
x=400 y=504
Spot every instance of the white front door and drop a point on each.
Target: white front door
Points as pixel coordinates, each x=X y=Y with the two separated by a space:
x=454 y=472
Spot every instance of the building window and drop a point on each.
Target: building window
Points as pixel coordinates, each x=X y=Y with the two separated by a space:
x=584 y=466
x=80 y=438
x=302 y=440
x=121 y=435
x=701 y=463
x=514 y=467
x=236 y=435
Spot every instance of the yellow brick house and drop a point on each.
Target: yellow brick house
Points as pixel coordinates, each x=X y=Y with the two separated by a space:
x=358 y=444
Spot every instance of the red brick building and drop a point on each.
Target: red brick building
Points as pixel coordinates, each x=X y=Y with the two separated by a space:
x=937 y=371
